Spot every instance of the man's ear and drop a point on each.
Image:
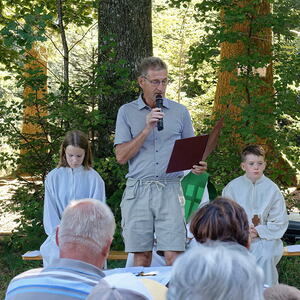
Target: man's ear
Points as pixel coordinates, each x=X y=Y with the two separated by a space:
x=56 y=236
x=106 y=248
x=141 y=81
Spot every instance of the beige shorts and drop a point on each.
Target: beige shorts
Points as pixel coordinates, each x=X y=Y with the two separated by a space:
x=150 y=207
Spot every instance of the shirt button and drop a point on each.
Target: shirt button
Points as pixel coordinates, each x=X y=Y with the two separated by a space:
x=157 y=163
x=156 y=151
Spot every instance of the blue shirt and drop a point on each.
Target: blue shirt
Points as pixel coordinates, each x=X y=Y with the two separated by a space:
x=152 y=159
x=67 y=279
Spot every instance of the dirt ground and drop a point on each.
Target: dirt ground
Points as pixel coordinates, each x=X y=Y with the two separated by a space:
x=7 y=222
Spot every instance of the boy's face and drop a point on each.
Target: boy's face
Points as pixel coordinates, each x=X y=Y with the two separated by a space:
x=254 y=166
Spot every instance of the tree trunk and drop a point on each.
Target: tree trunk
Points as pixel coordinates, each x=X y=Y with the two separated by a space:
x=125 y=37
x=127 y=23
x=33 y=133
x=32 y=95
x=260 y=42
x=59 y=7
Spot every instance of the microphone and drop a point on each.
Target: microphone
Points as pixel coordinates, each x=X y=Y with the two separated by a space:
x=159 y=104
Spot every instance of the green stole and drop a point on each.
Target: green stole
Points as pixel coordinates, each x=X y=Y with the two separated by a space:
x=193 y=188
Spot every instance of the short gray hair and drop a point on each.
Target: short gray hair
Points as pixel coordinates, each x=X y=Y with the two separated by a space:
x=150 y=63
x=216 y=271
x=103 y=291
x=87 y=221
x=282 y=292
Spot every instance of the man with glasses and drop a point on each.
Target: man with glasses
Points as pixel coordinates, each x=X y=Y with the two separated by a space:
x=151 y=200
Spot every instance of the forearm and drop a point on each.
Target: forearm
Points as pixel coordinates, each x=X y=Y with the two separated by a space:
x=126 y=151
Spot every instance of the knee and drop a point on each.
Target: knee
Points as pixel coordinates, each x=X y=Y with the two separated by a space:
x=170 y=257
x=142 y=258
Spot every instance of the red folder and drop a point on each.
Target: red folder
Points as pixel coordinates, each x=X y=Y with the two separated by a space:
x=188 y=152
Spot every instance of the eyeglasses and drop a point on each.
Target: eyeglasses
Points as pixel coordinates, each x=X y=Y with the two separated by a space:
x=157 y=82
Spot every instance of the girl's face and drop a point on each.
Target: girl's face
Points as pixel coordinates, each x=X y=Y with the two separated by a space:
x=74 y=156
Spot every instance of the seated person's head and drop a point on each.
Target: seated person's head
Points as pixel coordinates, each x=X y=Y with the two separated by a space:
x=282 y=292
x=126 y=286
x=216 y=271
x=223 y=220
x=103 y=291
x=253 y=162
x=86 y=231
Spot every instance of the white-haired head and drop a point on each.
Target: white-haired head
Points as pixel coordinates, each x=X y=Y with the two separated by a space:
x=216 y=271
x=282 y=292
x=88 y=222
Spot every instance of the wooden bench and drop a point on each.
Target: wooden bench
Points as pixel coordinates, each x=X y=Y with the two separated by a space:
x=113 y=255
x=121 y=255
x=287 y=253
x=117 y=255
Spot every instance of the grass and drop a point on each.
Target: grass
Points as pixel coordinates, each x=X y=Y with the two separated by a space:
x=289 y=270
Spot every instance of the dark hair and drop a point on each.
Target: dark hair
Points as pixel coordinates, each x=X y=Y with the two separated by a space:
x=150 y=63
x=252 y=149
x=76 y=138
x=223 y=220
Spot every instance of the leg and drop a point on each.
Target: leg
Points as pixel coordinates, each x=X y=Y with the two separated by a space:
x=142 y=258
x=170 y=229
x=267 y=254
x=137 y=221
x=170 y=257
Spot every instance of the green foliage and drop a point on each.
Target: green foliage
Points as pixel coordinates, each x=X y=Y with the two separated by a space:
x=27 y=202
x=40 y=149
x=268 y=115
x=113 y=175
x=35 y=153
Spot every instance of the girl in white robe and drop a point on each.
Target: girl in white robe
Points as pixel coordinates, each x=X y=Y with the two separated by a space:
x=73 y=179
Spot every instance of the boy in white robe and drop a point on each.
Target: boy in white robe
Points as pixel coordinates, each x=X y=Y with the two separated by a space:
x=265 y=208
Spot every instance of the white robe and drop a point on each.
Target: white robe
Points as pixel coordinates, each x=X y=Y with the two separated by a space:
x=263 y=198
x=63 y=185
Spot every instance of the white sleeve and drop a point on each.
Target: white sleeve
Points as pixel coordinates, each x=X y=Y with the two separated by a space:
x=98 y=191
x=277 y=220
x=51 y=216
x=226 y=192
